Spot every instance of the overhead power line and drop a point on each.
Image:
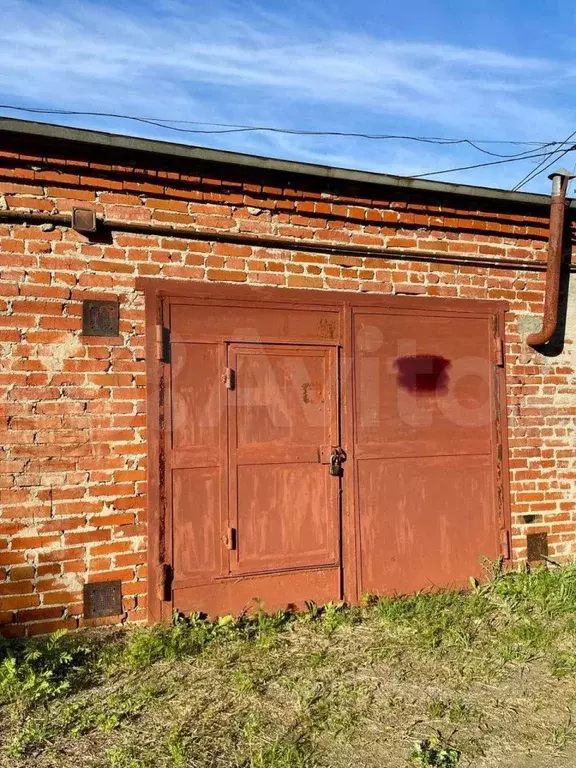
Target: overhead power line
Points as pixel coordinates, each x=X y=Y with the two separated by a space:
x=483 y=165
x=170 y=124
x=552 y=162
x=227 y=128
x=536 y=171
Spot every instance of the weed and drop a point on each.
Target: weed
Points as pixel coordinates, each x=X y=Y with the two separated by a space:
x=188 y=637
x=435 y=752
x=244 y=683
x=30 y=737
x=263 y=627
x=278 y=752
x=437 y=709
x=454 y=711
x=563 y=664
x=331 y=616
x=163 y=642
x=334 y=616
x=312 y=613
x=78 y=718
x=43 y=669
x=178 y=746
x=124 y=757
x=332 y=686
x=460 y=712
x=562 y=734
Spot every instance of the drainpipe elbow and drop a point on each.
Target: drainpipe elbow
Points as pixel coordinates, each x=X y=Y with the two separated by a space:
x=560 y=181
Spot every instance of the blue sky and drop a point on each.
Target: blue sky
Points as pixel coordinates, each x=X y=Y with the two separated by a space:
x=480 y=70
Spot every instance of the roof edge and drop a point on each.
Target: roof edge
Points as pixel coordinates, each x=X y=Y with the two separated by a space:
x=190 y=152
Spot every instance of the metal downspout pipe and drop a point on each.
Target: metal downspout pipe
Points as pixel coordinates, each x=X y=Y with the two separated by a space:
x=560 y=181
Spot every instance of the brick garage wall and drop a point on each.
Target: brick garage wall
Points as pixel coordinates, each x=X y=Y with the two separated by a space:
x=73 y=455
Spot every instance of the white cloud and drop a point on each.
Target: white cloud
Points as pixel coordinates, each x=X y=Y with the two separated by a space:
x=190 y=60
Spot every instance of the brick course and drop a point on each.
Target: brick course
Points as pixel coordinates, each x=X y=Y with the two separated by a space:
x=73 y=455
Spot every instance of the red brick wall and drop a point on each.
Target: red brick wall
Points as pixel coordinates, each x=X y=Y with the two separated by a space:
x=73 y=456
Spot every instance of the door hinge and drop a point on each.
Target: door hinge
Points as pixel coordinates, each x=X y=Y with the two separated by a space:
x=163 y=343
x=505 y=544
x=499 y=356
x=164 y=582
x=230 y=378
x=229 y=539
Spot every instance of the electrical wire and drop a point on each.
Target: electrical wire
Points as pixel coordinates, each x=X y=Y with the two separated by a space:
x=554 y=160
x=535 y=171
x=483 y=165
x=227 y=128
x=516 y=154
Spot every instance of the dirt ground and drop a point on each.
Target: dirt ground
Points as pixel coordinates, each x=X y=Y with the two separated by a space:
x=483 y=679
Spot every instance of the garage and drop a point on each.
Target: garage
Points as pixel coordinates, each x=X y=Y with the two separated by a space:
x=317 y=446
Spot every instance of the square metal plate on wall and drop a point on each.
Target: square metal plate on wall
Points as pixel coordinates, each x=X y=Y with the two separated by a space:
x=84 y=220
x=100 y=318
x=102 y=598
x=537 y=547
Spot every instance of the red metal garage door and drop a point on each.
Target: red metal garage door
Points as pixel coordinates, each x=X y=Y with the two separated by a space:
x=255 y=394
x=424 y=448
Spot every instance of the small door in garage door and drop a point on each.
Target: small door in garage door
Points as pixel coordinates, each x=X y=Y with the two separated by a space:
x=426 y=480
x=255 y=512
x=283 y=415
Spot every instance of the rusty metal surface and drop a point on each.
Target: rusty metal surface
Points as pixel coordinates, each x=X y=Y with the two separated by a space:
x=251 y=506
x=425 y=470
x=100 y=318
x=190 y=322
x=537 y=547
x=553 y=268
x=196 y=460
x=84 y=220
x=285 y=243
x=164 y=582
x=249 y=422
x=283 y=502
x=102 y=598
x=276 y=591
x=500 y=443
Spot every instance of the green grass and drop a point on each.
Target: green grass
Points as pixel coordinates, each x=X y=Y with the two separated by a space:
x=484 y=678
